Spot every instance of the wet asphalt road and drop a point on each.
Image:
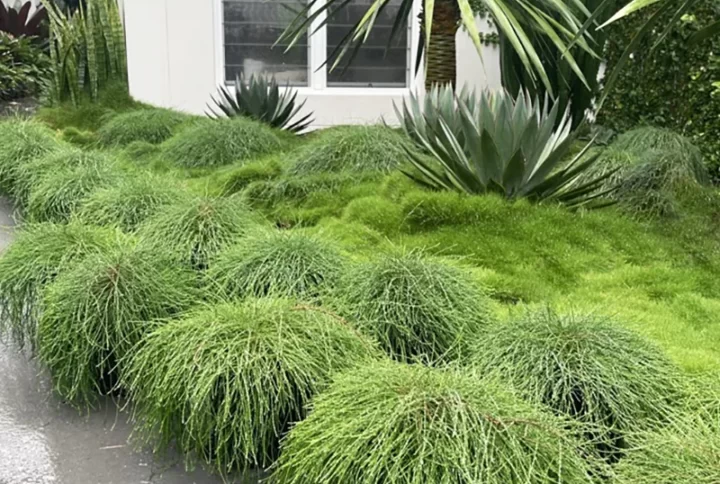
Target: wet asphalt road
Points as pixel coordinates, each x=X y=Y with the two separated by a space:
x=44 y=441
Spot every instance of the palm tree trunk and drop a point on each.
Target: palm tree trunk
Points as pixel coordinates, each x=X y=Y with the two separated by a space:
x=440 y=58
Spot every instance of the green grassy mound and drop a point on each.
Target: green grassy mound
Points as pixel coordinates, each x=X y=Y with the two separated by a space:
x=20 y=142
x=225 y=381
x=140 y=150
x=238 y=178
x=79 y=138
x=353 y=149
x=415 y=306
x=195 y=229
x=37 y=256
x=58 y=193
x=687 y=451
x=150 y=125
x=401 y=424
x=585 y=368
x=130 y=202
x=220 y=142
x=99 y=309
x=278 y=263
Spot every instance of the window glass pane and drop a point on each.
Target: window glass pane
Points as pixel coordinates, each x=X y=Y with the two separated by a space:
x=251 y=29
x=372 y=66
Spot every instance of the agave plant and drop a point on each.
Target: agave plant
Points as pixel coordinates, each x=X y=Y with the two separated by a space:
x=260 y=99
x=497 y=143
x=15 y=19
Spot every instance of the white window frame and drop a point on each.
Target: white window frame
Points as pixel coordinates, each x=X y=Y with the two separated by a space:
x=317 y=50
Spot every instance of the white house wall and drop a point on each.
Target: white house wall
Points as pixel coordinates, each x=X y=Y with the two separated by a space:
x=174 y=61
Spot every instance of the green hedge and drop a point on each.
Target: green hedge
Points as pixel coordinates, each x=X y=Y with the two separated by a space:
x=676 y=87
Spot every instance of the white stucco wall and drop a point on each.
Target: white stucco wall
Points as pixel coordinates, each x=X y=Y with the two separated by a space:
x=175 y=61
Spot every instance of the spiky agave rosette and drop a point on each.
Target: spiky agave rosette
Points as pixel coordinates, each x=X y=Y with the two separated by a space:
x=586 y=368
x=195 y=229
x=395 y=423
x=96 y=312
x=40 y=253
x=225 y=381
x=278 y=263
x=414 y=305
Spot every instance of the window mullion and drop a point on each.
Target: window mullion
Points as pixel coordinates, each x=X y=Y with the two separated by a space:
x=317 y=50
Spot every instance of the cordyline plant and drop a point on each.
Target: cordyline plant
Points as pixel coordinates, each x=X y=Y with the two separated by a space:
x=17 y=21
x=260 y=99
x=497 y=143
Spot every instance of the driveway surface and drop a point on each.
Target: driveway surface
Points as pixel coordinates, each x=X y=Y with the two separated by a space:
x=44 y=441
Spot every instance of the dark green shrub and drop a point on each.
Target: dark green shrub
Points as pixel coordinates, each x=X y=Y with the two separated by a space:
x=351 y=148
x=58 y=194
x=98 y=310
x=20 y=142
x=408 y=424
x=195 y=229
x=586 y=368
x=225 y=381
x=220 y=142
x=278 y=263
x=37 y=256
x=130 y=202
x=24 y=67
x=415 y=306
x=152 y=125
x=686 y=451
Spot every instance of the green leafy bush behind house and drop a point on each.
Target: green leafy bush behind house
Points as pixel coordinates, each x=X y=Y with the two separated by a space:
x=677 y=87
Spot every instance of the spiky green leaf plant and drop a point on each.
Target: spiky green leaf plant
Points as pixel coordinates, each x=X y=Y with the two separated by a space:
x=415 y=306
x=225 y=381
x=58 y=194
x=210 y=143
x=688 y=450
x=38 y=255
x=97 y=311
x=130 y=202
x=153 y=125
x=351 y=148
x=260 y=99
x=496 y=143
x=409 y=424
x=21 y=141
x=586 y=368
x=278 y=263
x=195 y=229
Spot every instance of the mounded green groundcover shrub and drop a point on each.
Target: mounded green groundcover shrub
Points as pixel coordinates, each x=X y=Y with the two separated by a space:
x=20 y=142
x=415 y=306
x=586 y=368
x=58 y=194
x=195 y=229
x=395 y=423
x=279 y=263
x=225 y=381
x=130 y=202
x=153 y=125
x=96 y=312
x=351 y=148
x=220 y=142
x=39 y=254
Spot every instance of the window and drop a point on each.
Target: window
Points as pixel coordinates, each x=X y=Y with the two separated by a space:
x=251 y=27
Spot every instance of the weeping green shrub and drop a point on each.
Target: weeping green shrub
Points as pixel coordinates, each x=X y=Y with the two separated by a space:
x=97 y=311
x=39 y=253
x=409 y=424
x=58 y=194
x=225 y=381
x=351 y=148
x=20 y=142
x=416 y=307
x=686 y=451
x=195 y=229
x=586 y=368
x=279 y=263
x=130 y=202
x=220 y=142
x=152 y=125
